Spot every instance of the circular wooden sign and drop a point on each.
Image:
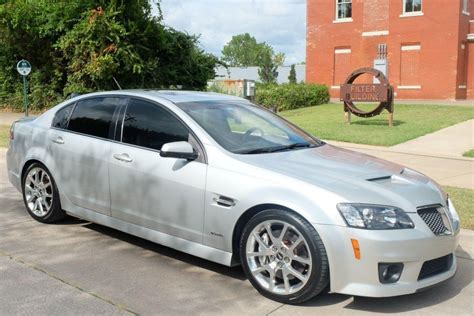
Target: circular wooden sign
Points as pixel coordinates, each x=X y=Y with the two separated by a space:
x=380 y=92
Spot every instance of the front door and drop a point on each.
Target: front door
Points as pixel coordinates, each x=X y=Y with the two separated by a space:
x=164 y=194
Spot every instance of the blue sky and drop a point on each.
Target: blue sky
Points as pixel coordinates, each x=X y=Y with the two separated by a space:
x=280 y=23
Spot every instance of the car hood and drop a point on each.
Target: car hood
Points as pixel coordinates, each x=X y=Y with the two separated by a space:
x=354 y=176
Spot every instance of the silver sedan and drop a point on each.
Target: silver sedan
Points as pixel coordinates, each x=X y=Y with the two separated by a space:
x=220 y=178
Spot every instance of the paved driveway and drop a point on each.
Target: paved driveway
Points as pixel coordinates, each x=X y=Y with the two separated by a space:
x=76 y=267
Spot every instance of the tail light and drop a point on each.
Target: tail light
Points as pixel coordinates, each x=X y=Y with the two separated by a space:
x=12 y=131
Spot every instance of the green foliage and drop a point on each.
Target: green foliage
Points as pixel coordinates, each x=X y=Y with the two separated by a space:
x=82 y=45
x=469 y=153
x=243 y=50
x=292 y=75
x=410 y=121
x=291 y=96
x=268 y=70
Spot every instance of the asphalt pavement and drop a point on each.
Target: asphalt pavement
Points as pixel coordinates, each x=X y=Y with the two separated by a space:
x=76 y=267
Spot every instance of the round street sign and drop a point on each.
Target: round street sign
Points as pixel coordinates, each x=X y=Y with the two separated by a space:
x=23 y=67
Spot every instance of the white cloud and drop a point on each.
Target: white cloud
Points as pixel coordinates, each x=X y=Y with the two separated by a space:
x=280 y=23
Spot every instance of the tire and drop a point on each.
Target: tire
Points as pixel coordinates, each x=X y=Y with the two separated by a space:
x=40 y=194
x=297 y=261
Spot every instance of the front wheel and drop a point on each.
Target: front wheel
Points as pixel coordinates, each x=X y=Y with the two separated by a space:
x=284 y=257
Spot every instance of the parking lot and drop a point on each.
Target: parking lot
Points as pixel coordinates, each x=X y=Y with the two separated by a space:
x=77 y=267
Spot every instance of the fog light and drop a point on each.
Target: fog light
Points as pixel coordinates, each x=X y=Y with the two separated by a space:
x=390 y=272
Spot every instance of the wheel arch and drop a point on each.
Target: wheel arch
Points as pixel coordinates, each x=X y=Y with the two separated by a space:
x=244 y=219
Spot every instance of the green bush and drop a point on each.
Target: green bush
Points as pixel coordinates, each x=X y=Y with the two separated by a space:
x=291 y=96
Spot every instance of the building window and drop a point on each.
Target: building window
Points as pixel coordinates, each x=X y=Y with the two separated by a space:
x=343 y=9
x=464 y=7
x=412 y=6
x=410 y=66
x=342 y=65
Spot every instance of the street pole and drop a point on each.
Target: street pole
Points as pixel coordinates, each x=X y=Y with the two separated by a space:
x=25 y=95
x=24 y=68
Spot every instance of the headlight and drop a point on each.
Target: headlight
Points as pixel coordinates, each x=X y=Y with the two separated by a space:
x=454 y=216
x=370 y=216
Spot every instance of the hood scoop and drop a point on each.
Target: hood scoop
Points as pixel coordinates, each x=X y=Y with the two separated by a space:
x=381 y=179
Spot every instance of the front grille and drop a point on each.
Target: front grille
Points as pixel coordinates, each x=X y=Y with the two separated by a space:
x=433 y=219
x=436 y=266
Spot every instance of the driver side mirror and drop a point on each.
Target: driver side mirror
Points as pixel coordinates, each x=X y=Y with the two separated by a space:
x=180 y=150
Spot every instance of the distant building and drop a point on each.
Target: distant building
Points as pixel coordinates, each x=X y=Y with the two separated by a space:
x=427 y=45
x=251 y=73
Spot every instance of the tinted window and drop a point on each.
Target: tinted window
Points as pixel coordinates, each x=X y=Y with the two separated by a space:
x=148 y=125
x=62 y=116
x=94 y=116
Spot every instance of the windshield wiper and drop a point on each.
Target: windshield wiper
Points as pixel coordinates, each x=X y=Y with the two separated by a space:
x=276 y=149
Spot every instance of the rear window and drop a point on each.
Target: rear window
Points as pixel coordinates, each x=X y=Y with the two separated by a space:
x=94 y=116
x=61 y=118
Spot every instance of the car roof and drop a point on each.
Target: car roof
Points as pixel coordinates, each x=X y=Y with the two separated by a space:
x=175 y=96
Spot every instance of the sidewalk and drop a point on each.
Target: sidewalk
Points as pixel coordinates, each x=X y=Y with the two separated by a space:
x=444 y=169
x=432 y=102
x=451 y=141
x=7 y=118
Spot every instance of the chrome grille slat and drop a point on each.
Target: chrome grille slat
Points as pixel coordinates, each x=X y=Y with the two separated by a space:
x=432 y=217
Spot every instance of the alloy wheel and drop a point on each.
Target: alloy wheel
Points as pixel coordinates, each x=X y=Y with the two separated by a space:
x=38 y=191
x=278 y=257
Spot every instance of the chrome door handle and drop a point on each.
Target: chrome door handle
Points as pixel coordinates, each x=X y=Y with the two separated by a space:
x=123 y=157
x=58 y=140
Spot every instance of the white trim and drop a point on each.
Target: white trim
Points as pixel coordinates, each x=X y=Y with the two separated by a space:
x=342 y=51
x=462 y=86
x=470 y=37
x=409 y=87
x=471 y=21
x=335 y=87
x=410 y=47
x=343 y=20
x=411 y=14
x=463 y=46
x=466 y=13
x=375 y=33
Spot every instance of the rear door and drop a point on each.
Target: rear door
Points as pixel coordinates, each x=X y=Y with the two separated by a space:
x=164 y=194
x=80 y=147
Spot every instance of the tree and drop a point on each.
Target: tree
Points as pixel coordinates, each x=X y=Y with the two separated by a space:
x=292 y=75
x=268 y=69
x=243 y=50
x=83 y=45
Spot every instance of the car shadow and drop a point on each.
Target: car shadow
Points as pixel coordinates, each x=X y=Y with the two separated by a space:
x=233 y=272
x=406 y=303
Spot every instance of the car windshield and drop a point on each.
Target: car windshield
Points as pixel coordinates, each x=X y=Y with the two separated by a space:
x=244 y=128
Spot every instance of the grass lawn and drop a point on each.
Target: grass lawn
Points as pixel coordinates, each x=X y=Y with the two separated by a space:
x=463 y=200
x=469 y=153
x=4 y=135
x=410 y=121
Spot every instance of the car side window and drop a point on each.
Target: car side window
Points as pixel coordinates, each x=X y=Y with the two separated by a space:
x=61 y=118
x=149 y=125
x=94 y=116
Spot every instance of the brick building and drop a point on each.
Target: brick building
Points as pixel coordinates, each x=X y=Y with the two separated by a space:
x=427 y=45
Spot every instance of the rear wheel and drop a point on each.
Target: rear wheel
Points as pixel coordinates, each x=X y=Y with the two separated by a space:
x=284 y=257
x=40 y=195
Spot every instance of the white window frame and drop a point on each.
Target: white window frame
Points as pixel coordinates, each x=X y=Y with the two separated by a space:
x=465 y=4
x=338 y=19
x=411 y=13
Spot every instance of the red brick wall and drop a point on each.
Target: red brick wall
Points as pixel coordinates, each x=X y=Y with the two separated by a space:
x=438 y=65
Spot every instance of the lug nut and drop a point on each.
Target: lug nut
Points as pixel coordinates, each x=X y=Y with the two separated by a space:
x=287 y=259
x=272 y=257
x=283 y=249
x=275 y=249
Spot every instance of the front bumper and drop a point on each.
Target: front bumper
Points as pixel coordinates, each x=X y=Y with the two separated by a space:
x=412 y=247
